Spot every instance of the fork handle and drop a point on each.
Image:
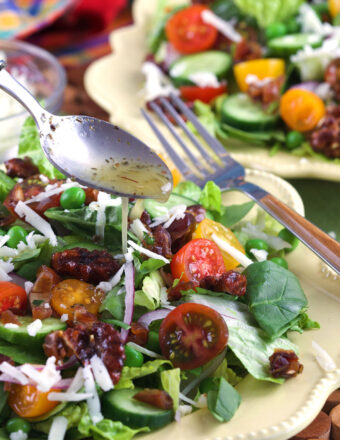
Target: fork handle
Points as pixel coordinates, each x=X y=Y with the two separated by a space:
x=318 y=241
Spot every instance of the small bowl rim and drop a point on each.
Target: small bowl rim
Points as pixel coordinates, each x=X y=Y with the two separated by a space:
x=39 y=53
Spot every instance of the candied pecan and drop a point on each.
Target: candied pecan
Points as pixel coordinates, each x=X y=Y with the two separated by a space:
x=332 y=76
x=54 y=345
x=175 y=292
x=231 y=282
x=138 y=334
x=82 y=264
x=247 y=50
x=8 y=317
x=266 y=91
x=99 y=339
x=145 y=218
x=159 y=398
x=325 y=138
x=197 y=211
x=181 y=231
x=21 y=167
x=284 y=363
x=83 y=316
x=161 y=242
x=91 y=195
x=40 y=294
x=167 y=277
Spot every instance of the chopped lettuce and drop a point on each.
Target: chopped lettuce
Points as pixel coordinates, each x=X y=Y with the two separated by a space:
x=29 y=145
x=267 y=12
x=130 y=373
x=211 y=198
x=227 y=373
x=223 y=400
x=6 y=184
x=170 y=380
x=150 y=294
x=72 y=412
x=188 y=189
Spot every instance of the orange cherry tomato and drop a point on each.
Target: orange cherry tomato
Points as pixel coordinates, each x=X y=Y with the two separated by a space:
x=188 y=33
x=334 y=7
x=261 y=68
x=204 y=94
x=301 y=109
x=192 y=334
x=176 y=175
x=207 y=227
x=27 y=401
x=197 y=259
x=69 y=293
x=12 y=297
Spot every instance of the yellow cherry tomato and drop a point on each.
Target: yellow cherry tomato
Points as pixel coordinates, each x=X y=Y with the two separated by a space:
x=334 y=7
x=301 y=109
x=261 y=68
x=176 y=175
x=27 y=401
x=207 y=227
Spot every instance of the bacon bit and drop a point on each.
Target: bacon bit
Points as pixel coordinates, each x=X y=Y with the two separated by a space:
x=145 y=218
x=267 y=92
x=247 y=50
x=231 y=282
x=40 y=294
x=8 y=317
x=161 y=242
x=174 y=292
x=138 y=334
x=21 y=167
x=285 y=364
x=159 y=398
x=82 y=316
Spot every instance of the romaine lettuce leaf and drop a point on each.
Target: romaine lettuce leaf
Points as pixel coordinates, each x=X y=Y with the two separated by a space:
x=227 y=373
x=150 y=294
x=211 y=198
x=22 y=354
x=188 y=189
x=130 y=373
x=170 y=380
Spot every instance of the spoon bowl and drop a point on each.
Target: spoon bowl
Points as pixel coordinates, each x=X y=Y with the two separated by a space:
x=94 y=152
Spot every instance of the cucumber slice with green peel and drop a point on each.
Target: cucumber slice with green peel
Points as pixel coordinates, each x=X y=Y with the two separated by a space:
x=242 y=112
x=156 y=209
x=212 y=61
x=290 y=44
x=120 y=405
x=20 y=336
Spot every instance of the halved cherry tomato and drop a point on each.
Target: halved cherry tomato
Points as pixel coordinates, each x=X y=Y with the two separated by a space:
x=197 y=259
x=207 y=227
x=301 y=109
x=192 y=334
x=334 y=7
x=188 y=33
x=27 y=401
x=176 y=175
x=69 y=293
x=204 y=94
x=12 y=297
x=262 y=68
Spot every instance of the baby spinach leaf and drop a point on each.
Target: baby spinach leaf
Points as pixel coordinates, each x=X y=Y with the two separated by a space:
x=22 y=354
x=6 y=184
x=234 y=213
x=3 y=397
x=223 y=400
x=274 y=296
x=114 y=303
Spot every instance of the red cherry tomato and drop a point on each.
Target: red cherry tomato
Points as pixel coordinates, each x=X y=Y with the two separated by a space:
x=204 y=94
x=192 y=334
x=197 y=259
x=188 y=33
x=12 y=297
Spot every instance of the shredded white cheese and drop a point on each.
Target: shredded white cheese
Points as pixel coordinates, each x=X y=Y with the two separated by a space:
x=101 y=375
x=310 y=22
x=145 y=351
x=235 y=253
x=3 y=239
x=28 y=286
x=77 y=382
x=58 y=428
x=64 y=317
x=93 y=402
x=147 y=252
x=68 y=396
x=138 y=228
x=325 y=361
x=34 y=327
x=36 y=221
x=259 y=254
x=14 y=372
x=5 y=268
x=204 y=79
x=225 y=27
x=183 y=410
x=18 y=435
x=11 y=325
x=156 y=83
x=45 y=378
x=175 y=213
x=106 y=286
x=253 y=79
x=8 y=252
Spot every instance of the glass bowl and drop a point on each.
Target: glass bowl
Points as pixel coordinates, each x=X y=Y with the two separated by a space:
x=42 y=74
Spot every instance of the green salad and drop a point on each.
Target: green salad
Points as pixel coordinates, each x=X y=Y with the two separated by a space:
x=107 y=332
x=261 y=73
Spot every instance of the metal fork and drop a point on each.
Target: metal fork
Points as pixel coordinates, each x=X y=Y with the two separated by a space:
x=229 y=174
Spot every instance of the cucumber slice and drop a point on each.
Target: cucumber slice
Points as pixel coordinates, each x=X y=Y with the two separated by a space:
x=290 y=44
x=240 y=111
x=20 y=336
x=156 y=209
x=120 y=405
x=212 y=61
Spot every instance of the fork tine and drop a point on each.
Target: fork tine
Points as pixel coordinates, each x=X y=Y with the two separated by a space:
x=215 y=145
x=177 y=160
x=157 y=109
x=193 y=139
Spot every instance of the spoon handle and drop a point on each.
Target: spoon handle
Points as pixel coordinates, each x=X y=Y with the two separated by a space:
x=21 y=94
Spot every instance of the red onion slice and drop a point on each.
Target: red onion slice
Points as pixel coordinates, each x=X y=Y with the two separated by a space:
x=129 y=296
x=17 y=279
x=308 y=85
x=146 y=319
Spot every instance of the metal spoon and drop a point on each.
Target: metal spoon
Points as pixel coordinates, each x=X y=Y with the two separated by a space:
x=94 y=152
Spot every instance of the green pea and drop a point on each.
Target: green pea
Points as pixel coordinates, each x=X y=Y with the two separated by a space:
x=293 y=26
x=17 y=424
x=73 y=198
x=256 y=243
x=294 y=139
x=16 y=235
x=207 y=384
x=280 y=262
x=133 y=358
x=289 y=238
x=276 y=30
x=153 y=342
